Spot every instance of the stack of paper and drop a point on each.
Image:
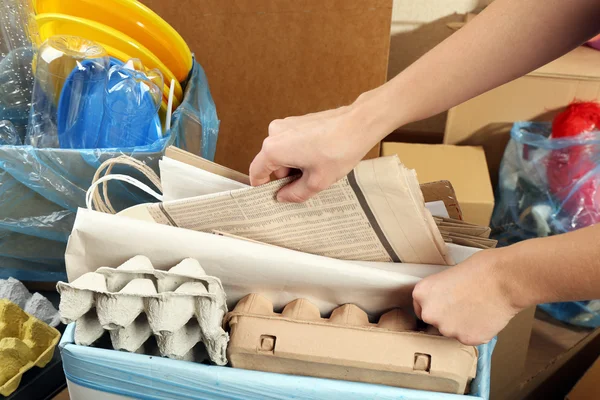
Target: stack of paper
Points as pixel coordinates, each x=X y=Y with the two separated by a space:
x=465 y=234
x=376 y=213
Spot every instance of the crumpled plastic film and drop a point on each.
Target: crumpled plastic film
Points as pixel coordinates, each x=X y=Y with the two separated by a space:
x=25 y=211
x=197 y=116
x=145 y=377
x=527 y=206
x=41 y=189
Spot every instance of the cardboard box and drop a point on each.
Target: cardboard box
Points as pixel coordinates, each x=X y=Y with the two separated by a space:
x=588 y=388
x=465 y=168
x=486 y=120
x=269 y=59
x=558 y=356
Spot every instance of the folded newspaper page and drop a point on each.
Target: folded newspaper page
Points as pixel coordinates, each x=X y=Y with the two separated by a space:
x=376 y=213
x=195 y=176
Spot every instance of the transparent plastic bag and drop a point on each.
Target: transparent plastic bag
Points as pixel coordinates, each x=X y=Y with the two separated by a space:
x=132 y=97
x=19 y=38
x=8 y=134
x=547 y=187
x=196 y=116
x=41 y=188
x=580 y=313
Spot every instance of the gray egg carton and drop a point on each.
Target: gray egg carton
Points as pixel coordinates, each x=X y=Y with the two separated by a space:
x=179 y=308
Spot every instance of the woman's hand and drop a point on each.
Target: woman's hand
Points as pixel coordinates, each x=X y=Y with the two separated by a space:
x=471 y=302
x=324 y=146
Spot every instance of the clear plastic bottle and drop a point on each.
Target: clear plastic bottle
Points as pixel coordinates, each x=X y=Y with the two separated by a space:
x=18 y=40
x=8 y=134
x=17 y=26
x=16 y=85
x=67 y=100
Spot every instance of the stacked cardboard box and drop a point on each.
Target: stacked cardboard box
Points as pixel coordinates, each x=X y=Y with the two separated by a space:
x=486 y=119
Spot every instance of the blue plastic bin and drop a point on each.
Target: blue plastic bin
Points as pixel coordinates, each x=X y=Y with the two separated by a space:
x=95 y=373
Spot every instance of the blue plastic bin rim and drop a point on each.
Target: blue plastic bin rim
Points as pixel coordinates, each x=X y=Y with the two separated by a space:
x=148 y=377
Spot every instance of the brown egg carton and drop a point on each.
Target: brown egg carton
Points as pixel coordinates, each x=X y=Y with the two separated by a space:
x=346 y=346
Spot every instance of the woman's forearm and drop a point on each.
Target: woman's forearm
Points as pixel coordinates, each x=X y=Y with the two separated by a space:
x=508 y=39
x=553 y=269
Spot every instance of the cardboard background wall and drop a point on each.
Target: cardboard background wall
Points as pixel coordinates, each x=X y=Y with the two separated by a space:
x=268 y=59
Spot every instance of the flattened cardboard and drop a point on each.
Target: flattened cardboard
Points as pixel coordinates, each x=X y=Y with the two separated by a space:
x=269 y=59
x=442 y=191
x=457 y=226
x=346 y=346
x=464 y=233
x=482 y=232
x=472 y=241
x=465 y=167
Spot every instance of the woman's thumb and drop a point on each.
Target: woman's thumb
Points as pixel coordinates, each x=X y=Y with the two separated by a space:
x=298 y=191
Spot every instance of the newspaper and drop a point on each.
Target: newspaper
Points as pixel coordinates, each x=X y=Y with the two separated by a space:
x=196 y=176
x=376 y=213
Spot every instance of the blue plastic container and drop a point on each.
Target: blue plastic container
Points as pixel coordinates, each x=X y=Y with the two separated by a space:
x=96 y=124
x=94 y=373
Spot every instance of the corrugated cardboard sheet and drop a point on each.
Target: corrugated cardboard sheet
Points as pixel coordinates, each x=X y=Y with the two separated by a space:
x=268 y=59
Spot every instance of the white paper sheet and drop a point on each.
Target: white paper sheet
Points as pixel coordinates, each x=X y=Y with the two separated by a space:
x=437 y=209
x=244 y=267
x=180 y=181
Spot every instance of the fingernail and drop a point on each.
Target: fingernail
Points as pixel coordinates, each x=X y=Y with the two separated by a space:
x=281 y=199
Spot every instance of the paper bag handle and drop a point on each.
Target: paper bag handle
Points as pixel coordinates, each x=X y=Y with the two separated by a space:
x=93 y=198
